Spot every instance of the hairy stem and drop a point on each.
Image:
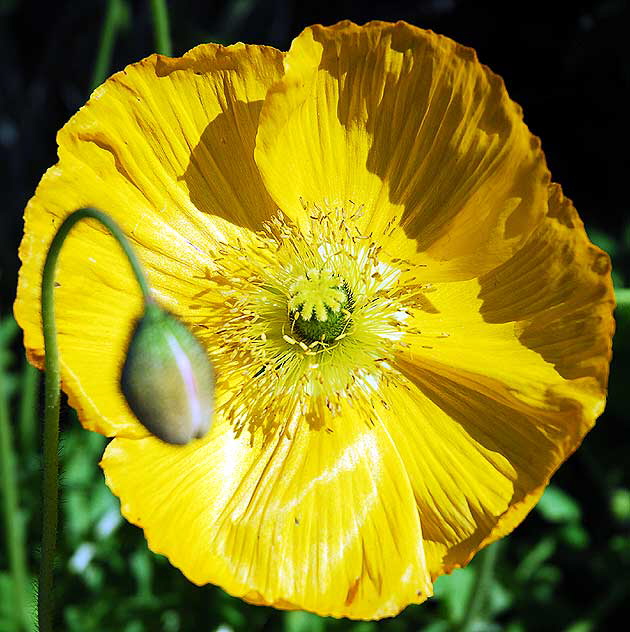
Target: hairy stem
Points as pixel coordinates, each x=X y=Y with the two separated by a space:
x=50 y=486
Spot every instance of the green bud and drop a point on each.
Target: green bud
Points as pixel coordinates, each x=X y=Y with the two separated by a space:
x=167 y=378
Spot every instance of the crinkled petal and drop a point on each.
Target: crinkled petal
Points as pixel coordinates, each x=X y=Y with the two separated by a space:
x=540 y=325
x=567 y=318
x=508 y=374
x=410 y=126
x=457 y=342
x=166 y=148
x=558 y=288
x=322 y=520
x=474 y=457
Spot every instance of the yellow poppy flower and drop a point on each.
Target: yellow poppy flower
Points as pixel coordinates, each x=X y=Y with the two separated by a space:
x=409 y=326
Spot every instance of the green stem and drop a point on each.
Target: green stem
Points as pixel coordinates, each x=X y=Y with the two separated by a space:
x=481 y=590
x=112 y=22
x=12 y=518
x=161 y=27
x=51 y=398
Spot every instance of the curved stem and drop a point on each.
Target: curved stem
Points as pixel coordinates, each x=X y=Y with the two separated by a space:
x=50 y=486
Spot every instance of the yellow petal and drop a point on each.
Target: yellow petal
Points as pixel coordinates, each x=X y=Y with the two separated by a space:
x=456 y=341
x=567 y=317
x=540 y=325
x=322 y=520
x=463 y=480
x=508 y=374
x=474 y=458
x=166 y=148
x=411 y=126
x=559 y=288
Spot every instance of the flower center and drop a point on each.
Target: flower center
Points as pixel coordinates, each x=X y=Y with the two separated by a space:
x=302 y=320
x=320 y=306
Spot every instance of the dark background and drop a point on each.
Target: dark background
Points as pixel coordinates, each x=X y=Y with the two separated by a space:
x=567 y=64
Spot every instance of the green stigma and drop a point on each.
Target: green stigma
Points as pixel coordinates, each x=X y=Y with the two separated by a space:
x=320 y=306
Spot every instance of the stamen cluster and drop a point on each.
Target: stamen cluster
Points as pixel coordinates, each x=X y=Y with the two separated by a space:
x=304 y=319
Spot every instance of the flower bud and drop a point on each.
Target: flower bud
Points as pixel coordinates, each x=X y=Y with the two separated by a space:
x=167 y=378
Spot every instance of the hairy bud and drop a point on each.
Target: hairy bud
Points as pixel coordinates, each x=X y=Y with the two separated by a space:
x=167 y=378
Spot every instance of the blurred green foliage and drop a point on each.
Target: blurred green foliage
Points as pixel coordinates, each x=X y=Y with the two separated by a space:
x=566 y=568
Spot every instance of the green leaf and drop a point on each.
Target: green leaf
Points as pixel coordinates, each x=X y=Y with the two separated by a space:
x=438 y=626
x=499 y=598
x=575 y=535
x=534 y=559
x=8 y=330
x=622 y=296
x=454 y=592
x=364 y=626
x=557 y=506
x=581 y=626
x=620 y=504
x=298 y=621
